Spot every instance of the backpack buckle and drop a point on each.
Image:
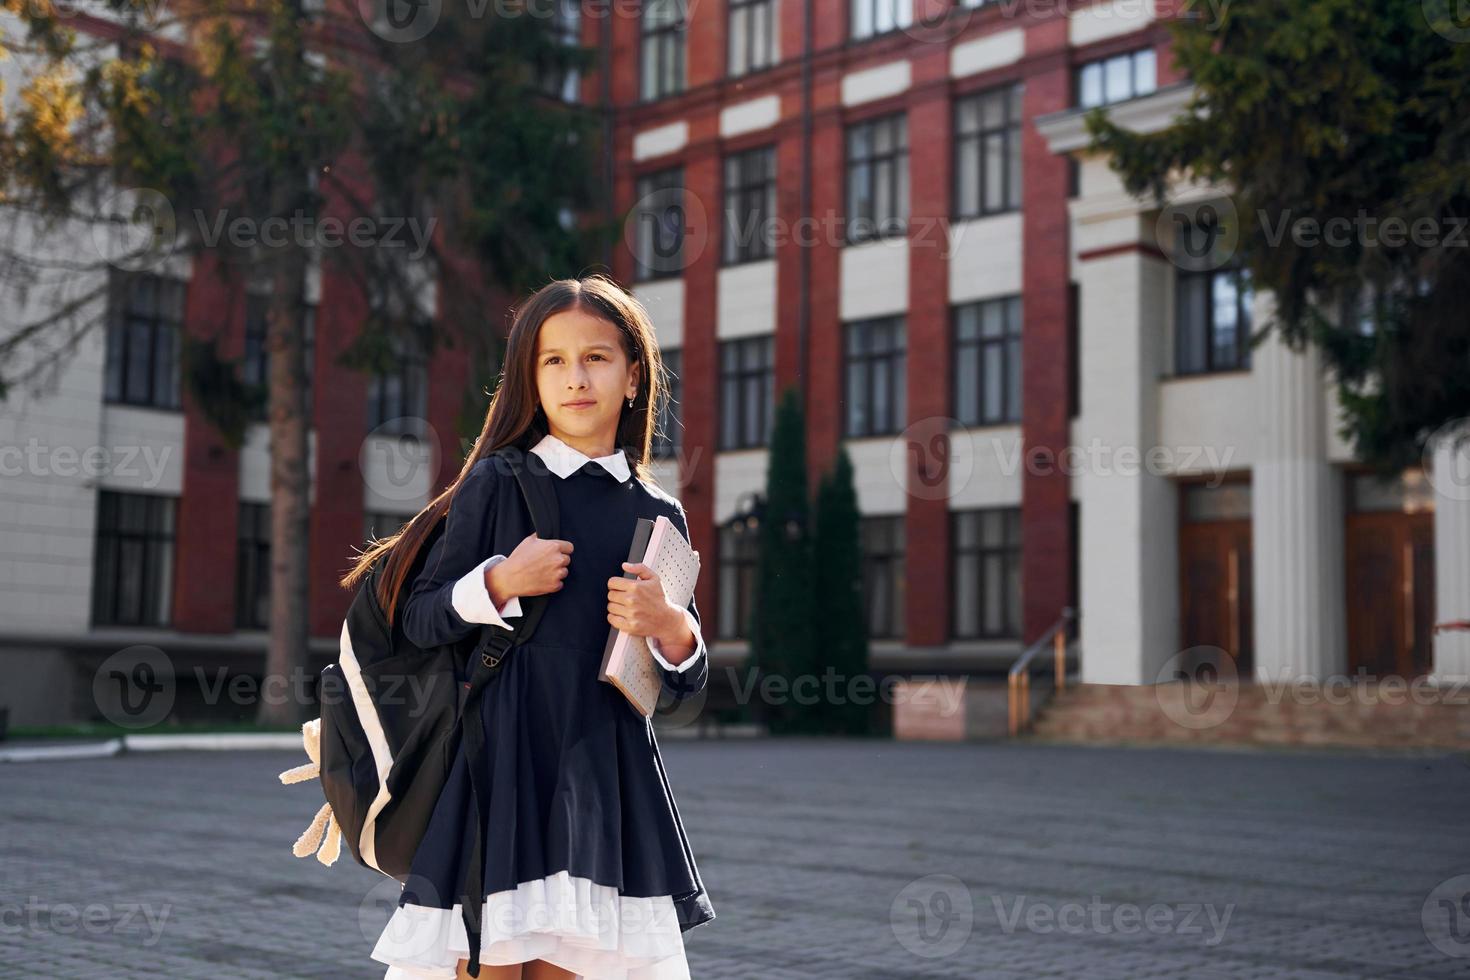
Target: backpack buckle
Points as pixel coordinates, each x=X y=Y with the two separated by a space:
x=496 y=645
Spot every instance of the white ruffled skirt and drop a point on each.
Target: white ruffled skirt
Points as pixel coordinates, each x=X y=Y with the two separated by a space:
x=574 y=923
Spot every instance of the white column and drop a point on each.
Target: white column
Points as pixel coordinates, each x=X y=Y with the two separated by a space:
x=1450 y=476
x=1297 y=520
x=1129 y=517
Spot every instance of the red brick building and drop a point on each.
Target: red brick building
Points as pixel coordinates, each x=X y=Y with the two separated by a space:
x=910 y=203
x=863 y=210
x=888 y=207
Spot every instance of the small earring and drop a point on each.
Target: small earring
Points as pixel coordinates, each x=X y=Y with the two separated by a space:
x=630 y=403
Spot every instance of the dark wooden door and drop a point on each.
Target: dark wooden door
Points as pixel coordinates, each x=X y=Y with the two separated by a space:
x=1390 y=593
x=1215 y=589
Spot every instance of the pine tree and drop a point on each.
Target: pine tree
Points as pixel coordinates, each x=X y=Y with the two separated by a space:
x=781 y=629
x=838 y=599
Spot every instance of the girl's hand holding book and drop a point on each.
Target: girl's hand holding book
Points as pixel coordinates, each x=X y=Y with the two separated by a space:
x=536 y=566
x=639 y=606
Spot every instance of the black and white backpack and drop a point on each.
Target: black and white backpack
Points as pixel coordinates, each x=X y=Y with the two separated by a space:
x=393 y=713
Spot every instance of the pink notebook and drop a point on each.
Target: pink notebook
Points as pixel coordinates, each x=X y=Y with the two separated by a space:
x=627 y=662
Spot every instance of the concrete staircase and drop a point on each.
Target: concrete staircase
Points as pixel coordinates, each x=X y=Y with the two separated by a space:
x=950 y=709
x=1349 y=714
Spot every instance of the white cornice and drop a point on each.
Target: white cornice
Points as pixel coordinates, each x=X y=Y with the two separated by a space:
x=1065 y=131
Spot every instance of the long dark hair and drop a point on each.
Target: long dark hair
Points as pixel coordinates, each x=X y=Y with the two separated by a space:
x=515 y=417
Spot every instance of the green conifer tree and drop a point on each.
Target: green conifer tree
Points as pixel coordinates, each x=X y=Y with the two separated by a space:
x=781 y=634
x=842 y=644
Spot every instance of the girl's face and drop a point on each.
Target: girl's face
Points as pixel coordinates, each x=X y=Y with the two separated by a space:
x=583 y=379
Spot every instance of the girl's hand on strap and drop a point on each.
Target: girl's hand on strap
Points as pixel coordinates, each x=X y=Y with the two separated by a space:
x=536 y=566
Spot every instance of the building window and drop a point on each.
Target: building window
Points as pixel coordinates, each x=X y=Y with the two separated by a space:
x=1410 y=492
x=566 y=30
x=253 y=567
x=747 y=391
x=987 y=362
x=883 y=575
x=873 y=385
x=133 y=574
x=145 y=321
x=873 y=17
x=877 y=178
x=1114 y=79
x=752 y=36
x=661 y=67
x=1213 y=305
x=398 y=400
x=739 y=547
x=987 y=573
x=1228 y=501
x=750 y=205
x=659 y=225
x=256 y=365
x=667 y=436
x=987 y=146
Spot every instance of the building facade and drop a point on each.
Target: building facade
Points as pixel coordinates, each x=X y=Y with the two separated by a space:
x=128 y=527
x=1255 y=529
x=1046 y=395
x=891 y=207
x=852 y=198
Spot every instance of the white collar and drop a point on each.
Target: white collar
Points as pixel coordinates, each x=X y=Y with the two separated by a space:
x=564 y=460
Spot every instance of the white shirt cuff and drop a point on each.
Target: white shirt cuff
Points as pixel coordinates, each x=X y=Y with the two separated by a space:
x=692 y=658
x=472 y=602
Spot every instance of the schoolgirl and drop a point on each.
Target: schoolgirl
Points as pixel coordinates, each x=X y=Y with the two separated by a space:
x=587 y=868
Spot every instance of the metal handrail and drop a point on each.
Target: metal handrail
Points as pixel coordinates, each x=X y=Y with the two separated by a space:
x=1018 y=681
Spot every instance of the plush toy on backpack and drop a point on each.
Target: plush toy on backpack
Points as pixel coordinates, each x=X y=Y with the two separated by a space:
x=324 y=837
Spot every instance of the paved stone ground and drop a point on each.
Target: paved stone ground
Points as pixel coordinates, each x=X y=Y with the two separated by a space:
x=824 y=858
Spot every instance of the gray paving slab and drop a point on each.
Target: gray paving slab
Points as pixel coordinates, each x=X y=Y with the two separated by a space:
x=824 y=857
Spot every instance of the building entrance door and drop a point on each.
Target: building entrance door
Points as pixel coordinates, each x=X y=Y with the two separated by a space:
x=1215 y=571
x=1390 y=593
x=1389 y=554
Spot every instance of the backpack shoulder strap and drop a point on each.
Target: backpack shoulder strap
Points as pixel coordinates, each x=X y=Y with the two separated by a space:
x=534 y=480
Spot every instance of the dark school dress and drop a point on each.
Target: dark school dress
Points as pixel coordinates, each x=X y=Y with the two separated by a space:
x=586 y=861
